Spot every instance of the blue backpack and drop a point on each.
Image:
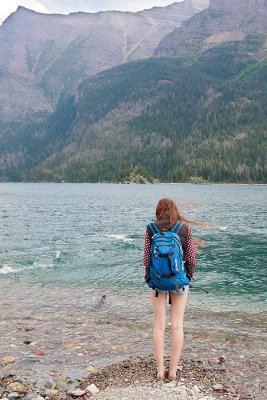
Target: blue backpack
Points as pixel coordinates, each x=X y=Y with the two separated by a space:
x=167 y=266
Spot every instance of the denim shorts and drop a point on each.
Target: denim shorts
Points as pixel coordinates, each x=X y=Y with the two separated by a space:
x=183 y=290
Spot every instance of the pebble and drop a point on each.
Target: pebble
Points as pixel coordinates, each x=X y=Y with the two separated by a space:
x=90 y=369
x=169 y=385
x=17 y=387
x=9 y=375
x=14 y=395
x=8 y=360
x=38 y=352
x=78 y=392
x=62 y=386
x=195 y=389
x=218 y=386
x=92 y=389
x=183 y=392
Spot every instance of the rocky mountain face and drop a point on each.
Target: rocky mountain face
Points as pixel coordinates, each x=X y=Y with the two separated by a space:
x=230 y=5
x=223 y=21
x=42 y=55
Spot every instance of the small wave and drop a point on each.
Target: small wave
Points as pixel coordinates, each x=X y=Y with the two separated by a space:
x=6 y=269
x=58 y=253
x=40 y=265
x=9 y=270
x=223 y=228
x=120 y=237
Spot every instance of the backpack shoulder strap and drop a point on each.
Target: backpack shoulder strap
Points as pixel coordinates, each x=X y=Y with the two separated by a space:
x=153 y=228
x=177 y=227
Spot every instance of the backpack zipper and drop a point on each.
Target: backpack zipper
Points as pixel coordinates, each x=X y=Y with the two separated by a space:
x=181 y=255
x=167 y=240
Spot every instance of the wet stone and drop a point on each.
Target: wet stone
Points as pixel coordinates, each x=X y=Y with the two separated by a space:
x=14 y=395
x=61 y=386
x=48 y=385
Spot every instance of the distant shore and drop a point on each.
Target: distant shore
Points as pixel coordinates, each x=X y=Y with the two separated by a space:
x=138 y=183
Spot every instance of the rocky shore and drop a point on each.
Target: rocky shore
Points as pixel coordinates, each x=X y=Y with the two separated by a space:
x=61 y=345
x=129 y=380
x=198 y=378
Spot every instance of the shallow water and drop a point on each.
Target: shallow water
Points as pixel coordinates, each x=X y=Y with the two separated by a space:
x=90 y=237
x=64 y=246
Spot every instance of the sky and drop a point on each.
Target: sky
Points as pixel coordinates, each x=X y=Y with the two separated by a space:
x=67 y=6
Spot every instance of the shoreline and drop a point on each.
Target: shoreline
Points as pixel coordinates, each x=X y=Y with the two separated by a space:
x=134 y=183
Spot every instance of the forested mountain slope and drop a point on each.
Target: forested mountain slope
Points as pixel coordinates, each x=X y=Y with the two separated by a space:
x=203 y=116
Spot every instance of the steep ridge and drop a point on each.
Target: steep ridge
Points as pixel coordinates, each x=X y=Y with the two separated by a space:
x=41 y=55
x=223 y=21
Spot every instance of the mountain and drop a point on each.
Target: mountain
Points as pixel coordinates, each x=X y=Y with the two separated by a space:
x=172 y=119
x=201 y=117
x=223 y=21
x=44 y=56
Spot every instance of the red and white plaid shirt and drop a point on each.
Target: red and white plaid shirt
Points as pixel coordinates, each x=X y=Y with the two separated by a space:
x=190 y=253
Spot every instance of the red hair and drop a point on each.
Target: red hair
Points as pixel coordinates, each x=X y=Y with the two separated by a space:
x=167 y=210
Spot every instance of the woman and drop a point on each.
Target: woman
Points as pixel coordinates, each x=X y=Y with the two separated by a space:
x=167 y=215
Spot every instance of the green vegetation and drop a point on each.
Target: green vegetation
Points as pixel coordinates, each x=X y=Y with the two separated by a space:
x=173 y=120
x=134 y=175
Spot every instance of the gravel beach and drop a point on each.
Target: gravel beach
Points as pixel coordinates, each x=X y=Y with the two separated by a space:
x=56 y=344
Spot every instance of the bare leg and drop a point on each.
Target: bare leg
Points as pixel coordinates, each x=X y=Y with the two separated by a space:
x=177 y=318
x=159 y=310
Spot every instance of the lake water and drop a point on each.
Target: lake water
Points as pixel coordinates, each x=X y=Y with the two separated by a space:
x=88 y=239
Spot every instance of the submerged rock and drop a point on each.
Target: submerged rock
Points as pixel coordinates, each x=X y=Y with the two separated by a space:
x=8 y=360
x=38 y=352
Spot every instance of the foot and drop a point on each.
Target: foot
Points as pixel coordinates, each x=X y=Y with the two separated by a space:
x=172 y=376
x=160 y=377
